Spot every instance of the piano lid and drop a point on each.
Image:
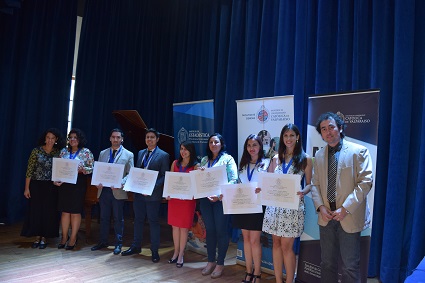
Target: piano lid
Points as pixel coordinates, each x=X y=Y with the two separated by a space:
x=135 y=129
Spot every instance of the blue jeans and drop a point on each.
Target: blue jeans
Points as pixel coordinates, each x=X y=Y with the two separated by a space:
x=216 y=224
x=335 y=242
x=143 y=209
x=109 y=203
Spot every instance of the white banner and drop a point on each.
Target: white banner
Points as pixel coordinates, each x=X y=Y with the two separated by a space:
x=264 y=117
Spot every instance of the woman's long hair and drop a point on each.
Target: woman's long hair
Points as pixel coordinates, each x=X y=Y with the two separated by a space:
x=193 y=160
x=223 y=146
x=299 y=159
x=246 y=157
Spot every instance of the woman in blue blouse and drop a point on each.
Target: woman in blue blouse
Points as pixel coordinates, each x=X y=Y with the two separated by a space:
x=71 y=196
x=216 y=223
x=42 y=217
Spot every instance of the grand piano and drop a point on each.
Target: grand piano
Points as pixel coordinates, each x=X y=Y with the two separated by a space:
x=134 y=130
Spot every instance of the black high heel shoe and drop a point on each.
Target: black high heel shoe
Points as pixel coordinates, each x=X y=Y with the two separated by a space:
x=179 y=264
x=62 y=246
x=248 y=277
x=171 y=260
x=256 y=277
x=68 y=247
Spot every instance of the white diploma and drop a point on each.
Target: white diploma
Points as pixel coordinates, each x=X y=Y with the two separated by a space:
x=240 y=199
x=279 y=190
x=65 y=170
x=107 y=174
x=178 y=185
x=208 y=182
x=141 y=181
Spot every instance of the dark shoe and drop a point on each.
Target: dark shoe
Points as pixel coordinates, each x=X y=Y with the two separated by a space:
x=155 y=257
x=99 y=246
x=248 y=277
x=42 y=245
x=172 y=260
x=36 y=244
x=131 y=251
x=117 y=249
x=256 y=277
x=179 y=264
x=62 y=246
x=69 y=247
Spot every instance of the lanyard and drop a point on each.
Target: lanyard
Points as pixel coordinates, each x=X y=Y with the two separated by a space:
x=147 y=160
x=214 y=162
x=249 y=173
x=111 y=155
x=182 y=169
x=72 y=156
x=286 y=167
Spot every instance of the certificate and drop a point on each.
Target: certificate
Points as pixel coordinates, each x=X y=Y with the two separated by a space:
x=141 y=181
x=208 y=182
x=241 y=199
x=178 y=185
x=279 y=189
x=65 y=170
x=107 y=174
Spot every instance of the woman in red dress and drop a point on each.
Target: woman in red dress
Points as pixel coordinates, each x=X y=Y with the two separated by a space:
x=180 y=212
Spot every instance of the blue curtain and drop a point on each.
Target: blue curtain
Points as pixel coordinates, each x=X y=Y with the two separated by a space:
x=148 y=54
x=36 y=53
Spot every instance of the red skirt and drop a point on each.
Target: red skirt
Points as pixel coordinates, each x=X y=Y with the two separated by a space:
x=180 y=212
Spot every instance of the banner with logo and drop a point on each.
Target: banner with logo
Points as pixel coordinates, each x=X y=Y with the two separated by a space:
x=264 y=117
x=360 y=113
x=193 y=121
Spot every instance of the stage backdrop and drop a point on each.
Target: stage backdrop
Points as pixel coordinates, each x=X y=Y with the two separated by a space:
x=265 y=117
x=360 y=113
x=193 y=121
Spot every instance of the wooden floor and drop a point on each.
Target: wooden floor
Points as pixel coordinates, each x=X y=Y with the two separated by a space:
x=20 y=263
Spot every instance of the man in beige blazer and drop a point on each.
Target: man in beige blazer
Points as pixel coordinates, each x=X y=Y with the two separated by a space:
x=112 y=199
x=340 y=196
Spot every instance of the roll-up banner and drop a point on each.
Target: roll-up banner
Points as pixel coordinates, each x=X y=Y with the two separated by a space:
x=264 y=117
x=194 y=121
x=360 y=112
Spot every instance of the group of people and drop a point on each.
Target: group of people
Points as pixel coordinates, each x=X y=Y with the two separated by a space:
x=339 y=181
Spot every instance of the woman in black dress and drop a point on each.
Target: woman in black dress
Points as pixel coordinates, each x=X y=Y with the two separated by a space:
x=252 y=162
x=71 y=196
x=42 y=219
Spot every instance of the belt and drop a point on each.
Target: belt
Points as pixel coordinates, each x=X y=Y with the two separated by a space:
x=332 y=205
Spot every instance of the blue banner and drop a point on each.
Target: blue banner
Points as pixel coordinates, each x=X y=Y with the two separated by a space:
x=193 y=121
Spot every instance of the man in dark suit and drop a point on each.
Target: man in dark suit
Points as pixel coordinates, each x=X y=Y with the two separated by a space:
x=152 y=158
x=112 y=199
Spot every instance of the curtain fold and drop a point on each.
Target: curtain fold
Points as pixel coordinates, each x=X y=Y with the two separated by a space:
x=36 y=54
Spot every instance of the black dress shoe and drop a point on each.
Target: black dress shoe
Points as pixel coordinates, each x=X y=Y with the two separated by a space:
x=117 y=249
x=99 y=246
x=42 y=245
x=131 y=251
x=35 y=245
x=155 y=257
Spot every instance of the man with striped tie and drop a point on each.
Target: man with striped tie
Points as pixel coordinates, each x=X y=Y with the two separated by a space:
x=342 y=179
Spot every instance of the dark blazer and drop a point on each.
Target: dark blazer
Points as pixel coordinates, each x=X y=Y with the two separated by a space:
x=160 y=162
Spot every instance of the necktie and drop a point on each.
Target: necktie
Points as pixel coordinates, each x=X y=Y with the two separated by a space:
x=145 y=161
x=111 y=160
x=332 y=163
